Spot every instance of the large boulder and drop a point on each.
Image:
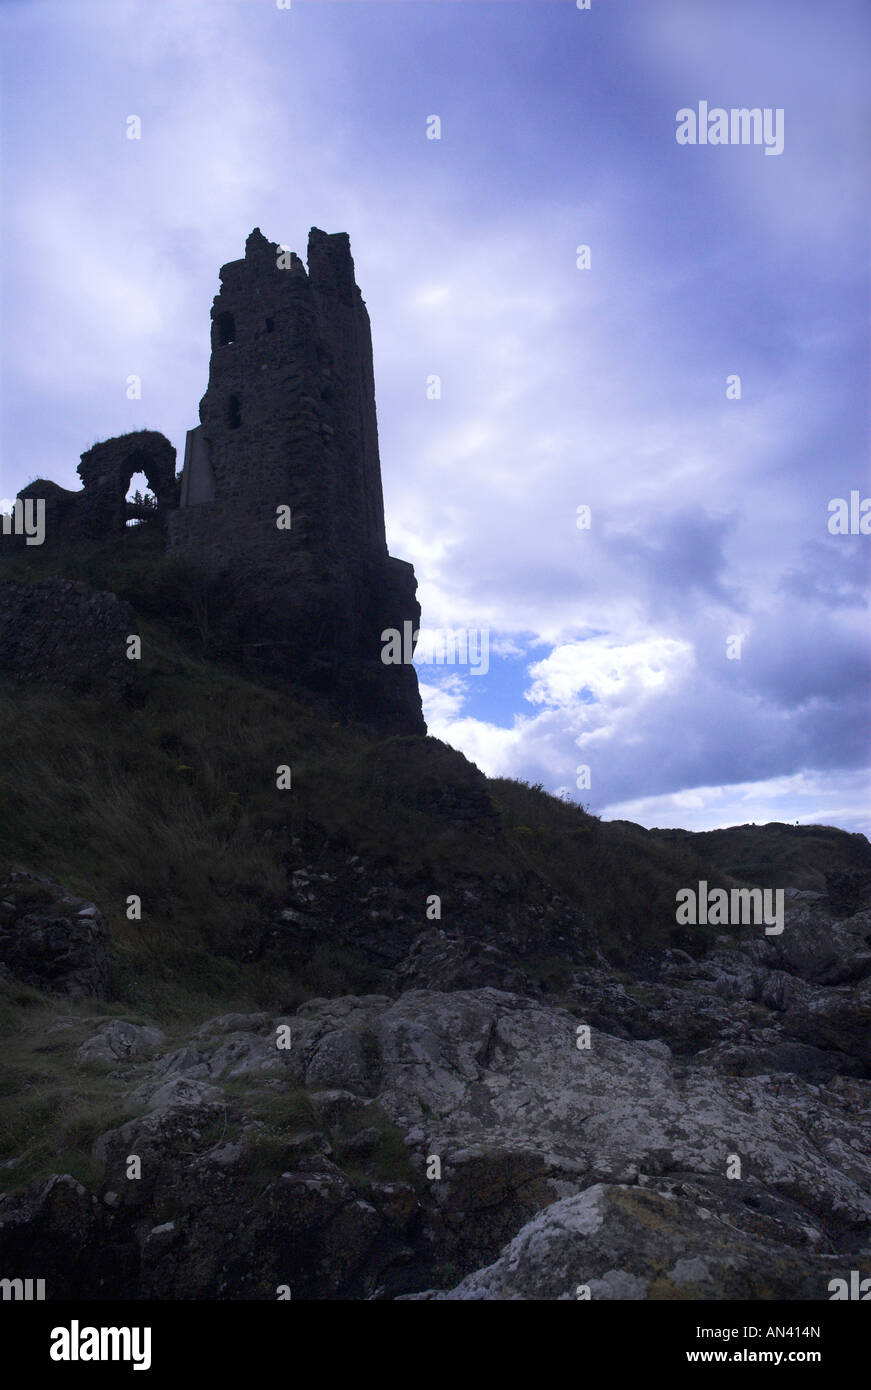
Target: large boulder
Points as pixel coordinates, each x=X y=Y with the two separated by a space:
x=60 y=1232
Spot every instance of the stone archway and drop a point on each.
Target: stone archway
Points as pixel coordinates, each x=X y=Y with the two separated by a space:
x=106 y=470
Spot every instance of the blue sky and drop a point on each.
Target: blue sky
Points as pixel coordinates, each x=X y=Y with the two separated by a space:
x=560 y=386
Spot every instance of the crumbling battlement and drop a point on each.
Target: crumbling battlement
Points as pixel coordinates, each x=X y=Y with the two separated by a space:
x=288 y=433
x=106 y=470
x=288 y=418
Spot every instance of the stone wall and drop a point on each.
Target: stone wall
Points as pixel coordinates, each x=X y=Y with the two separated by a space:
x=61 y=632
x=106 y=469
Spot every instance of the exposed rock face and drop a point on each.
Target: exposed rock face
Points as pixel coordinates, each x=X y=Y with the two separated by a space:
x=680 y=1239
x=50 y=939
x=288 y=421
x=61 y=632
x=606 y=1169
x=65 y=1229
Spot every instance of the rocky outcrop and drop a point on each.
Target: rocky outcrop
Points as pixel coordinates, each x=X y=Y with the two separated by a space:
x=708 y=1138
x=686 y=1239
x=66 y=1231
x=50 y=939
x=119 y=1041
x=61 y=632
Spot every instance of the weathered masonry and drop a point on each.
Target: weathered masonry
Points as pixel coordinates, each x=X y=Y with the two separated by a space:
x=289 y=414
x=288 y=422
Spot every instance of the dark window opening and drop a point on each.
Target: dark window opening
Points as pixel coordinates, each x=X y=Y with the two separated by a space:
x=234 y=413
x=226 y=329
x=270 y=324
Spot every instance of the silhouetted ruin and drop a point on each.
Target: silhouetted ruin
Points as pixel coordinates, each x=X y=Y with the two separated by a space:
x=279 y=502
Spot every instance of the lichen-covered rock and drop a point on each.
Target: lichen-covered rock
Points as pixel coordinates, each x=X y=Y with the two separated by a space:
x=619 y=1242
x=120 y=1041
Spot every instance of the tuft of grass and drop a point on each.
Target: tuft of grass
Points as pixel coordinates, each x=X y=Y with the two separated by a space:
x=386 y=1161
x=51 y=1110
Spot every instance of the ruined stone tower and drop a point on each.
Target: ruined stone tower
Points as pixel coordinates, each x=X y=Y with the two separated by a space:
x=288 y=421
x=287 y=434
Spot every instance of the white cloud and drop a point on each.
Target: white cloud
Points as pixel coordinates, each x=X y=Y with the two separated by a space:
x=609 y=670
x=840 y=799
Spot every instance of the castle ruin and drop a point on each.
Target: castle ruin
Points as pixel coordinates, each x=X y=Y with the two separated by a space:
x=280 y=495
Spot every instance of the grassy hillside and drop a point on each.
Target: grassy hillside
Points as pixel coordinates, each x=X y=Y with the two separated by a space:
x=816 y=857
x=174 y=798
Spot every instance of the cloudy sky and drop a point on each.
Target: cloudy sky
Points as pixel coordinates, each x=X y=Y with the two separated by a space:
x=561 y=386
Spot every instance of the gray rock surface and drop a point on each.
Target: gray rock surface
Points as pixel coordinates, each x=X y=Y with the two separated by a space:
x=120 y=1041
x=668 y=1241
x=710 y=1138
